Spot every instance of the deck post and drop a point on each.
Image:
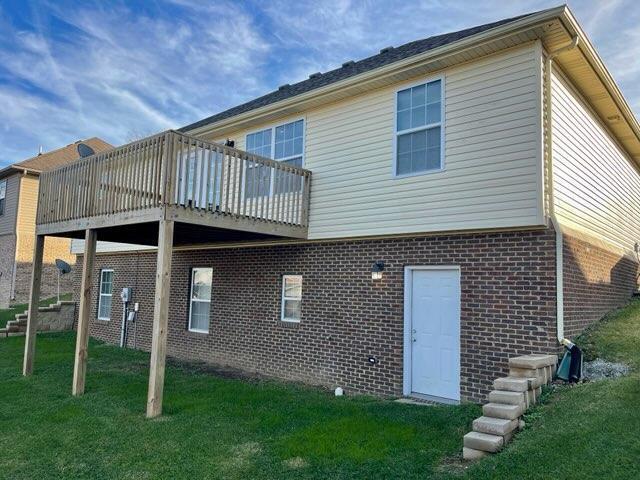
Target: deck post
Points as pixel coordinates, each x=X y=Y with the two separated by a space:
x=160 y=319
x=34 y=299
x=82 y=336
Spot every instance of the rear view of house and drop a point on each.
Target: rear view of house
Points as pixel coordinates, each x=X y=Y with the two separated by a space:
x=398 y=226
x=18 y=203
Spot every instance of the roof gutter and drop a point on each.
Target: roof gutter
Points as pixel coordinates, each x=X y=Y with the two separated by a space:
x=388 y=70
x=6 y=171
x=552 y=211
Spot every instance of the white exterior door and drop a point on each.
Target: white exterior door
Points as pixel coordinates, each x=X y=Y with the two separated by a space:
x=432 y=332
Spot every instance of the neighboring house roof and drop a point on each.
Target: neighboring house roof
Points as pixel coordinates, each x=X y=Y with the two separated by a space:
x=350 y=69
x=61 y=156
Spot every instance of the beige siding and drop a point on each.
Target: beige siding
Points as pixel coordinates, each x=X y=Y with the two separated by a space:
x=8 y=219
x=493 y=165
x=596 y=186
x=26 y=227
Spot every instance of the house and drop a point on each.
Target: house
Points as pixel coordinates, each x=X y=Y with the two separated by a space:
x=18 y=202
x=398 y=226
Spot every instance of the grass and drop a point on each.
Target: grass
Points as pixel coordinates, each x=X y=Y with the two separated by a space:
x=217 y=427
x=10 y=313
x=212 y=428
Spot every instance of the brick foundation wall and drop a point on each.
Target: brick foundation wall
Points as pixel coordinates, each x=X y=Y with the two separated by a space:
x=597 y=280
x=507 y=306
x=53 y=248
x=7 y=256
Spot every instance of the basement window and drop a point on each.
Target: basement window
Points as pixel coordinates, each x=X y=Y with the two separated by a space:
x=419 y=138
x=106 y=294
x=200 y=302
x=3 y=194
x=291 y=298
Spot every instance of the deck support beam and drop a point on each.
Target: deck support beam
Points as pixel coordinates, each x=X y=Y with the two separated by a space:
x=82 y=336
x=160 y=319
x=34 y=300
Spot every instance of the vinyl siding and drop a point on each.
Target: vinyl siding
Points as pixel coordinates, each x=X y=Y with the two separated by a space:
x=77 y=247
x=55 y=247
x=596 y=185
x=8 y=219
x=492 y=174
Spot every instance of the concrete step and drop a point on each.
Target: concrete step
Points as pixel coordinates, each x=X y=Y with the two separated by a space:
x=16 y=329
x=483 y=442
x=494 y=426
x=500 y=410
x=473 y=454
x=537 y=377
x=511 y=384
x=533 y=361
x=510 y=398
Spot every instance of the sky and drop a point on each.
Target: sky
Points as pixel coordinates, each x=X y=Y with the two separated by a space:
x=124 y=70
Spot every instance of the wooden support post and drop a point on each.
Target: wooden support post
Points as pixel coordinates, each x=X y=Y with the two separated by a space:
x=34 y=298
x=160 y=319
x=82 y=336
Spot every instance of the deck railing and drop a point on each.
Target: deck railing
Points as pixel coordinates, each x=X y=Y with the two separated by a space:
x=173 y=169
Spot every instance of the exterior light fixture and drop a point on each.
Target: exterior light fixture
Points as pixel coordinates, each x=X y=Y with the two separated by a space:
x=376 y=270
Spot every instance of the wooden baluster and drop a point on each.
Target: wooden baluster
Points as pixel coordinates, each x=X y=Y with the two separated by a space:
x=217 y=187
x=202 y=177
x=239 y=184
x=254 y=188
x=227 y=169
x=208 y=179
x=194 y=180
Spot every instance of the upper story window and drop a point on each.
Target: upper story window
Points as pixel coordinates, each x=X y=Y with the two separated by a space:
x=284 y=143
x=106 y=294
x=3 y=194
x=419 y=129
x=200 y=301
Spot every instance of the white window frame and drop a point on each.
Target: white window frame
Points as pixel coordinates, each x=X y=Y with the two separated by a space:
x=273 y=127
x=191 y=300
x=283 y=298
x=100 y=294
x=3 y=196
x=441 y=124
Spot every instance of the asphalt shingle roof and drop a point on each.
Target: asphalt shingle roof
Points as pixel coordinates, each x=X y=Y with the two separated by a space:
x=350 y=69
x=62 y=156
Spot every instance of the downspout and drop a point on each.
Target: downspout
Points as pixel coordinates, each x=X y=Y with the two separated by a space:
x=552 y=211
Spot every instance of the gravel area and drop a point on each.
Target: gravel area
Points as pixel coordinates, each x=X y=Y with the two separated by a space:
x=600 y=369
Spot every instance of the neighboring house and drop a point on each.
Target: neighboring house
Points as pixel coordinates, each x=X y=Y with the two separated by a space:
x=18 y=203
x=439 y=225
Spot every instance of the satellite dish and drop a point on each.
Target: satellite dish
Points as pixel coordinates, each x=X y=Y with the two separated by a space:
x=63 y=266
x=85 y=150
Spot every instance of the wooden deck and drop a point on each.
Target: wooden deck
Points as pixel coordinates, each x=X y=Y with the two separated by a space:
x=212 y=191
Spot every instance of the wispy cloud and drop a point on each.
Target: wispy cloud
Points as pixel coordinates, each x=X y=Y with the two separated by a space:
x=72 y=70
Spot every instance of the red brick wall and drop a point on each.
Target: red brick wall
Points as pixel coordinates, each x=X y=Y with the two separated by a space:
x=596 y=280
x=508 y=306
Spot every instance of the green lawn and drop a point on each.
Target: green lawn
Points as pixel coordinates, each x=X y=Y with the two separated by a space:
x=10 y=313
x=226 y=428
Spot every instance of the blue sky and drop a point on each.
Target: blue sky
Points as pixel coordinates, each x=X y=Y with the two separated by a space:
x=121 y=70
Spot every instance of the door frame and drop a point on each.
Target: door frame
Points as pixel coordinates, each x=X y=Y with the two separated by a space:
x=407 y=344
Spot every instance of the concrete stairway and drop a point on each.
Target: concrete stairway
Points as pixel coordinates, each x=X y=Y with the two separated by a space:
x=56 y=316
x=509 y=400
